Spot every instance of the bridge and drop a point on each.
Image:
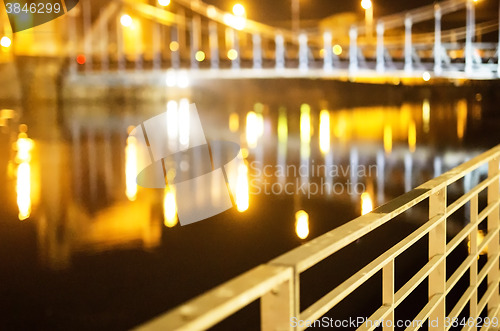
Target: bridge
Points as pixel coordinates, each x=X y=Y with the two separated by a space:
x=206 y=42
x=211 y=43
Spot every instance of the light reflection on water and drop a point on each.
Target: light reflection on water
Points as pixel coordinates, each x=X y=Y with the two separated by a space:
x=107 y=209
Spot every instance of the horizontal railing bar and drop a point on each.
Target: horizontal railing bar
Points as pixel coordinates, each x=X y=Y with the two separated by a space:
x=457 y=274
x=486 y=269
x=378 y=315
x=327 y=302
x=491 y=314
x=426 y=311
x=469 y=195
x=487 y=296
x=487 y=211
x=460 y=171
x=305 y=256
x=417 y=279
x=215 y=305
x=464 y=299
x=460 y=237
x=465 y=265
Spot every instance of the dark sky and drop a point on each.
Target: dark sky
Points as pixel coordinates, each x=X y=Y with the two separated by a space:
x=272 y=11
x=278 y=12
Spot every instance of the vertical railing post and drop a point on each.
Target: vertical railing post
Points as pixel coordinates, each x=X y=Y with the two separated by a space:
x=280 y=52
x=469 y=35
x=195 y=40
x=380 y=47
x=119 y=45
x=493 y=225
x=73 y=42
x=303 y=61
x=214 y=44
x=181 y=32
x=235 y=64
x=175 y=55
x=328 y=52
x=473 y=252
x=437 y=41
x=388 y=293
x=279 y=306
x=156 y=47
x=353 y=49
x=408 y=45
x=103 y=28
x=437 y=246
x=257 y=51
x=87 y=27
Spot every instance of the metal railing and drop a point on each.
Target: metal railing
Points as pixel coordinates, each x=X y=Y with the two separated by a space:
x=225 y=40
x=277 y=283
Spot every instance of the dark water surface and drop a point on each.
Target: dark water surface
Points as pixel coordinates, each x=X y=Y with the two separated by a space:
x=82 y=247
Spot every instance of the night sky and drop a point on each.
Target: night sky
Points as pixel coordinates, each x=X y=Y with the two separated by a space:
x=278 y=12
x=272 y=11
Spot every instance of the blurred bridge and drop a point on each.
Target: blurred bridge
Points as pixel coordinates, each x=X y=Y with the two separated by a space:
x=200 y=36
x=135 y=36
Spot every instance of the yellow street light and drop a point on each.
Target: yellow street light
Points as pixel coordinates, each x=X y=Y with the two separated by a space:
x=5 y=42
x=164 y=3
x=126 y=20
x=232 y=54
x=337 y=50
x=200 y=56
x=366 y=4
x=239 y=10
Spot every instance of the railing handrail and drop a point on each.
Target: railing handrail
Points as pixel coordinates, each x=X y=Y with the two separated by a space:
x=282 y=274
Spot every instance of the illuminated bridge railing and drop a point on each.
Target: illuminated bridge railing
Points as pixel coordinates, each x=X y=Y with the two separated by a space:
x=198 y=36
x=277 y=283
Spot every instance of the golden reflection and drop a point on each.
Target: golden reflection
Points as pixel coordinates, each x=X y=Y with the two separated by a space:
x=24 y=147
x=282 y=127
x=305 y=124
x=131 y=168
x=23 y=189
x=302 y=224
x=461 y=118
x=340 y=128
x=426 y=115
x=169 y=207
x=234 y=122
x=324 y=131
x=366 y=203
x=412 y=136
x=242 y=195
x=480 y=238
x=252 y=129
x=388 y=139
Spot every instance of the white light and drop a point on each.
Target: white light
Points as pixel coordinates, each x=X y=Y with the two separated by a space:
x=302 y=224
x=426 y=76
x=5 y=42
x=239 y=10
x=366 y=4
x=126 y=20
x=164 y=3
x=242 y=195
